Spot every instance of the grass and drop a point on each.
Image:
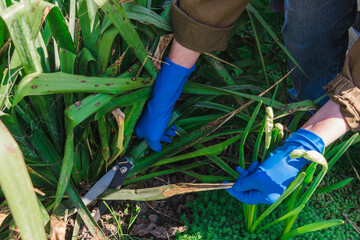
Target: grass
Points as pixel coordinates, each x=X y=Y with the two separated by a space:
x=205 y=222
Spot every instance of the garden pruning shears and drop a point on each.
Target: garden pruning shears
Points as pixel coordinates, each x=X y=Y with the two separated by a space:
x=116 y=176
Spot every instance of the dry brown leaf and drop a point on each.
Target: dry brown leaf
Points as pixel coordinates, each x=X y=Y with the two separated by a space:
x=4 y=212
x=58 y=228
x=120 y=119
x=14 y=233
x=160 y=49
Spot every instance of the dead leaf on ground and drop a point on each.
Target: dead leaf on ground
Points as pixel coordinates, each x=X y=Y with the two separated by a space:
x=4 y=212
x=58 y=228
x=14 y=233
x=159 y=232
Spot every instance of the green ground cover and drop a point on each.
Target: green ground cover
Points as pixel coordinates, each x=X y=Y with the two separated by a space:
x=216 y=215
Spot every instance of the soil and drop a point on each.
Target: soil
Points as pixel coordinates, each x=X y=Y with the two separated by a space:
x=156 y=220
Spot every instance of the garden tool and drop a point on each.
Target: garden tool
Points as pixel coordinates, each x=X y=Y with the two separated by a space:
x=115 y=177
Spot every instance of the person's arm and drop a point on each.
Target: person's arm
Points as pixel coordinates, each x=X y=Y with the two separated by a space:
x=344 y=89
x=328 y=123
x=183 y=56
x=199 y=26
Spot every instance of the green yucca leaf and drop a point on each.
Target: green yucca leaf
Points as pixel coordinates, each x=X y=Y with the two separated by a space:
x=67 y=61
x=316 y=158
x=286 y=216
x=106 y=42
x=333 y=186
x=17 y=22
x=222 y=108
x=116 y=13
x=220 y=70
x=43 y=146
x=135 y=97
x=215 y=159
x=50 y=83
x=132 y=115
x=312 y=227
x=165 y=172
x=87 y=64
x=83 y=109
x=306 y=105
x=41 y=10
x=245 y=134
x=294 y=185
x=257 y=40
x=17 y=187
x=104 y=138
x=66 y=168
x=85 y=214
x=90 y=24
x=202 y=119
x=142 y=14
x=259 y=18
x=211 y=150
x=197 y=88
x=341 y=151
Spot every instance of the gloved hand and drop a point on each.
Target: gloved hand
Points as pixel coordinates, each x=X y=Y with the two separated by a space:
x=156 y=116
x=265 y=183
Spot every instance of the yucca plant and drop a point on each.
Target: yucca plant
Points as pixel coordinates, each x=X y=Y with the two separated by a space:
x=67 y=68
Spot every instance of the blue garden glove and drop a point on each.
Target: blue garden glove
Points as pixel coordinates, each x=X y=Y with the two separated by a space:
x=167 y=89
x=265 y=183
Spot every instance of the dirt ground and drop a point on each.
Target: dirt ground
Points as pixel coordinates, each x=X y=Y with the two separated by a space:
x=156 y=219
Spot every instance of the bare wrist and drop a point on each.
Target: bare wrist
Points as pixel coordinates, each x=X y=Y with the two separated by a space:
x=183 y=56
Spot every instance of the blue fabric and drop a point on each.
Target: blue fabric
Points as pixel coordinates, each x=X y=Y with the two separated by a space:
x=316 y=34
x=156 y=116
x=265 y=183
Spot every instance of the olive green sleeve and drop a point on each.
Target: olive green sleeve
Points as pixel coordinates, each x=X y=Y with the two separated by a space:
x=344 y=89
x=205 y=25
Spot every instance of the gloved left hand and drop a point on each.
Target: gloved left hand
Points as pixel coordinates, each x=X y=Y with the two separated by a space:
x=265 y=183
x=156 y=116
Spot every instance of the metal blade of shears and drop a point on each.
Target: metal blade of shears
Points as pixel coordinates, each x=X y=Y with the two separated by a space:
x=115 y=177
x=118 y=172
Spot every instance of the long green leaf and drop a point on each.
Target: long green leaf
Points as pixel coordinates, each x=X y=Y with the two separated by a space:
x=106 y=41
x=116 y=13
x=41 y=10
x=197 y=88
x=142 y=14
x=286 y=216
x=85 y=214
x=50 y=83
x=16 y=184
x=258 y=17
x=312 y=227
x=90 y=24
x=66 y=168
x=257 y=40
x=83 y=109
x=18 y=24
x=295 y=184
x=246 y=132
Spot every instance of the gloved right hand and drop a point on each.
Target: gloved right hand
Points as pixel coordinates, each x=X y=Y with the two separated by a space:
x=156 y=116
x=266 y=182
